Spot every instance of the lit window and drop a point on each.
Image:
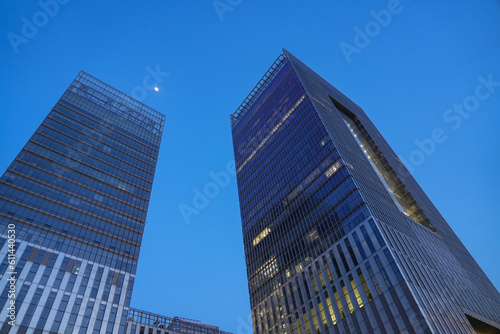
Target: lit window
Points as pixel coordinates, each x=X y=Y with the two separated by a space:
x=261 y=236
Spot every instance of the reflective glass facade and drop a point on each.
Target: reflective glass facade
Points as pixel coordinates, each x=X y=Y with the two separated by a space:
x=338 y=236
x=142 y=322
x=73 y=206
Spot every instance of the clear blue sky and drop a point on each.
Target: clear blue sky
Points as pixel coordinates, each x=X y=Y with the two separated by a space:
x=412 y=69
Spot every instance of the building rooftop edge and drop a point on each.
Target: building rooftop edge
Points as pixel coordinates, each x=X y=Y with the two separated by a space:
x=193 y=322
x=257 y=90
x=111 y=98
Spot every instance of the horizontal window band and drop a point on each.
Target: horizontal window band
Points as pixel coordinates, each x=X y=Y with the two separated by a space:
x=25 y=163
x=92 y=229
x=68 y=193
x=67 y=236
x=80 y=173
x=104 y=125
x=90 y=145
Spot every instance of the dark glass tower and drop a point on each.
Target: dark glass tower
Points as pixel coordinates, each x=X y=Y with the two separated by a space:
x=338 y=236
x=73 y=206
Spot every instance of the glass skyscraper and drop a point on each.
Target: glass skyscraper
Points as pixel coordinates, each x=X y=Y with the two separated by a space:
x=338 y=236
x=73 y=206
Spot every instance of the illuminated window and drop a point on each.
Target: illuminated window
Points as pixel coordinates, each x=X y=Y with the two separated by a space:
x=336 y=166
x=261 y=236
x=328 y=272
x=356 y=292
x=315 y=287
x=312 y=235
x=330 y=309
x=364 y=285
x=339 y=304
x=322 y=313
x=271 y=133
x=306 y=322
x=321 y=279
x=346 y=296
x=299 y=327
x=388 y=176
x=314 y=318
